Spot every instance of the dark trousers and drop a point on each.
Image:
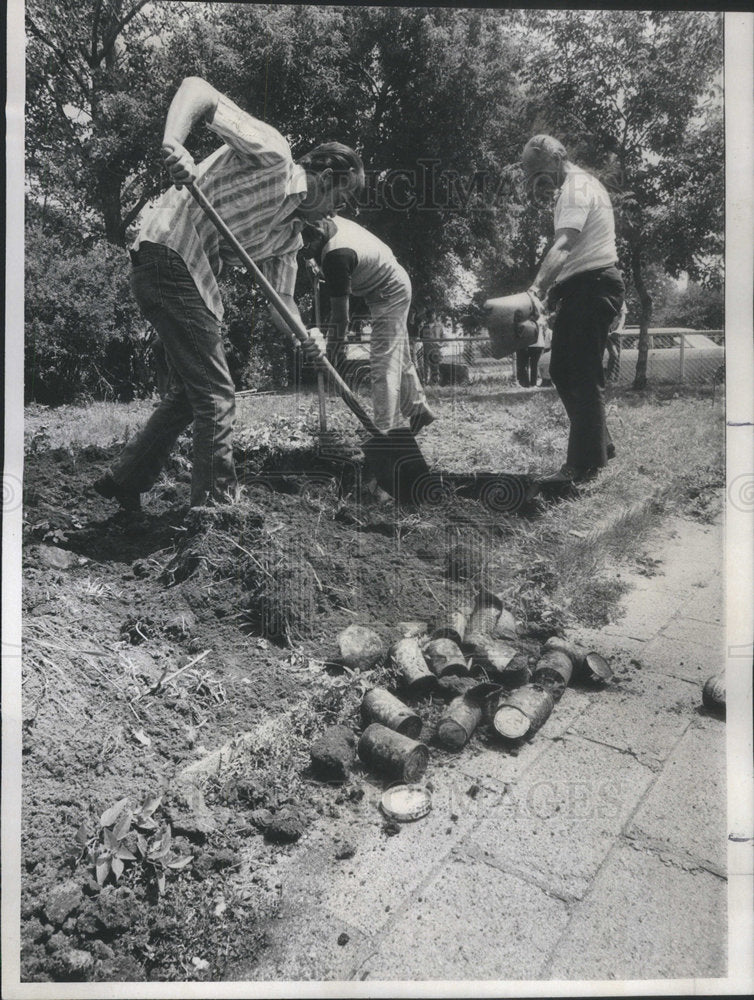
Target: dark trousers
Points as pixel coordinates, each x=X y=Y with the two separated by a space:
x=200 y=388
x=527 y=361
x=588 y=303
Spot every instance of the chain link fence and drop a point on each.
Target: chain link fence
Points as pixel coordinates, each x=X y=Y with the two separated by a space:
x=676 y=357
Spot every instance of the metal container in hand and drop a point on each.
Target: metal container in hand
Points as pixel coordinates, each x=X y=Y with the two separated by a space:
x=507 y=323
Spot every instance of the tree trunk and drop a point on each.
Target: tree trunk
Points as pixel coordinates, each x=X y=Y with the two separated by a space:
x=645 y=315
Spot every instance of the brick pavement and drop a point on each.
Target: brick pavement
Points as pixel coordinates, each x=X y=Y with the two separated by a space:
x=597 y=852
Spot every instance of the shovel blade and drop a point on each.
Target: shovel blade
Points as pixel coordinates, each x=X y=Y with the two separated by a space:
x=397 y=463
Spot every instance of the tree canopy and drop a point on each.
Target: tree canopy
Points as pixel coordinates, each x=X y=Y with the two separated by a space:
x=439 y=102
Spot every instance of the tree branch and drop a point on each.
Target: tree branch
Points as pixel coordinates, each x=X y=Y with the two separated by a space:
x=133 y=212
x=64 y=117
x=367 y=74
x=38 y=33
x=113 y=32
x=95 y=32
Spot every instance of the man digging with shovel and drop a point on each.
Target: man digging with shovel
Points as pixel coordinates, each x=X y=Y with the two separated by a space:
x=254 y=183
x=579 y=277
x=355 y=262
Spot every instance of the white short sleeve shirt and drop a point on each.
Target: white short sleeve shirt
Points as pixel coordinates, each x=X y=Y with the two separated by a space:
x=584 y=204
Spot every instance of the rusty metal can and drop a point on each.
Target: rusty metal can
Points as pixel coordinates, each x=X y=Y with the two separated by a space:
x=556 y=642
x=445 y=657
x=595 y=668
x=553 y=670
x=379 y=705
x=713 y=693
x=453 y=626
x=458 y=722
x=416 y=676
x=392 y=754
x=523 y=712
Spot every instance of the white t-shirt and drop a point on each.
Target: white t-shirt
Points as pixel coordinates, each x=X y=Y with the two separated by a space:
x=584 y=204
x=375 y=261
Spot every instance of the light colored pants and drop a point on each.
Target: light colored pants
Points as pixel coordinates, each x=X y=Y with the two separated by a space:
x=396 y=389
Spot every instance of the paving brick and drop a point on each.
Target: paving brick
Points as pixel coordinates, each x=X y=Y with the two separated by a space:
x=686 y=809
x=644 y=615
x=567 y=711
x=558 y=822
x=472 y=922
x=689 y=630
x=367 y=889
x=705 y=606
x=635 y=925
x=686 y=660
x=646 y=714
x=308 y=949
x=497 y=763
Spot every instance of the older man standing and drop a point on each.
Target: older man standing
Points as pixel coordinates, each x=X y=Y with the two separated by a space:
x=265 y=198
x=580 y=279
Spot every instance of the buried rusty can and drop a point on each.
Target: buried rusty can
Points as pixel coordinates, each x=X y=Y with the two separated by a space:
x=416 y=676
x=556 y=642
x=412 y=629
x=484 y=616
x=713 y=693
x=445 y=657
x=392 y=754
x=487 y=695
x=588 y=666
x=458 y=722
x=378 y=705
x=523 y=712
x=553 y=670
x=505 y=626
x=491 y=655
x=453 y=626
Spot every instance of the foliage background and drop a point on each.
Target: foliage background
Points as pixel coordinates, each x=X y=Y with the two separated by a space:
x=439 y=102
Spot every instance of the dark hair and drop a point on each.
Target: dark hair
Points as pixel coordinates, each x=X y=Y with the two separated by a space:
x=341 y=159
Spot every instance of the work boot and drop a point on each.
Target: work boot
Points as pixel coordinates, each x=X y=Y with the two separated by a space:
x=570 y=474
x=421 y=418
x=129 y=499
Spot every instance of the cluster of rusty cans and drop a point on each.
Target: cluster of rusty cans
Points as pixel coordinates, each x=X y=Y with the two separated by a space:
x=491 y=674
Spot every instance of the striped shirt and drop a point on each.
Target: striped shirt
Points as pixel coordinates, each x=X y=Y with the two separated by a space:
x=255 y=187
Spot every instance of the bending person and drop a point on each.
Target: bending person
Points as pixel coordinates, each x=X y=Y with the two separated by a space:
x=265 y=197
x=355 y=262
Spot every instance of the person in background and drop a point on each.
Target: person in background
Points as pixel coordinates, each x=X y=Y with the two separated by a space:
x=432 y=334
x=613 y=345
x=527 y=362
x=255 y=185
x=579 y=275
x=355 y=262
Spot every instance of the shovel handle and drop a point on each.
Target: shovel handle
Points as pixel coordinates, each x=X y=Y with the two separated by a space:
x=295 y=326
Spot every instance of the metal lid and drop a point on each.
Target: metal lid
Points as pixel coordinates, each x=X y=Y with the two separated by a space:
x=406 y=802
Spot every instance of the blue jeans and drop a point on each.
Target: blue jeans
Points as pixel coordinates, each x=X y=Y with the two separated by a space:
x=200 y=387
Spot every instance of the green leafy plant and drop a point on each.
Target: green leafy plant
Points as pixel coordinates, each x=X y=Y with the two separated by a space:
x=127 y=836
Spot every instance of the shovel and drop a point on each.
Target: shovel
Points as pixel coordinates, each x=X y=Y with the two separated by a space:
x=394 y=458
x=322 y=399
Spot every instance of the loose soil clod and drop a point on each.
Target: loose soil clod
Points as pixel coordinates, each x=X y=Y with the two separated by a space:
x=334 y=753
